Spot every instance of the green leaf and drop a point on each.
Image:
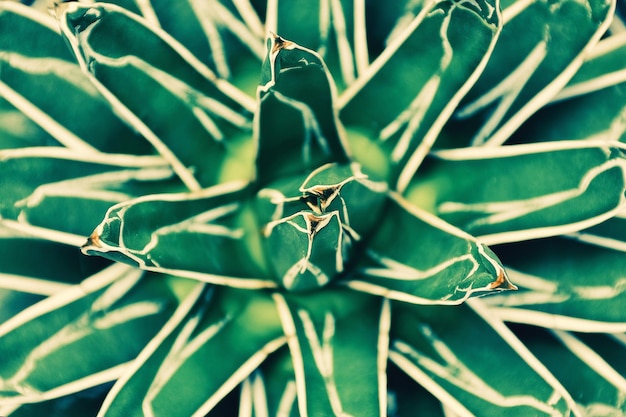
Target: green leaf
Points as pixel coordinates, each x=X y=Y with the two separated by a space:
x=571 y=119
x=314 y=224
x=243 y=324
x=419 y=95
x=181 y=98
x=407 y=398
x=603 y=67
x=443 y=266
x=65 y=191
x=564 y=284
x=105 y=321
x=57 y=268
x=18 y=131
x=204 y=235
x=453 y=352
x=296 y=123
x=525 y=72
x=520 y=192
x=37 y=72
x=338 y=342
x=610 y=234
x=276 y=379
x=598 y=388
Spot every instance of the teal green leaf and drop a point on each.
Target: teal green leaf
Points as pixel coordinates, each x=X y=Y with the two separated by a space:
x=81 y=404
x=66 y=192
x=407 y=398
x=564 y=284
x=610 y=234
x=338 y=342
x=276 y=379
x=227 y=332
x=603 y=67
x=14 y=301
x=203 y=235
x=525 y=72
x=37 y=72
x=57 y=268
x=297 y=125
x=598 y=388
x=443 y=265
x=114 y=308
x=181 y=98
x=521 y=192
x=419 y=95
x=453 y=351
x=571 y=118
x=18 y=131
x=314 y=224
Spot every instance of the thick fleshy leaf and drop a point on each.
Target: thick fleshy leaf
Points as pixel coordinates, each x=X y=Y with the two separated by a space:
x=105 y=321
x=520 y=192
x=37 y=72
x=603 y=67
x=598 y=388
x=453 y=352
x=571 y=119
x=193 y=119
x=609 y=234
x=58 y=266
x=407 y=398
x=338 y=342
x=525 y=72
x=18 y=131
x=415 y=257
x=67 y=191
x=564 y=284
x=82 y=404
x=420 y=78
x=227 y=334
x=206 y=235
x=314 y=224
x=297 y=125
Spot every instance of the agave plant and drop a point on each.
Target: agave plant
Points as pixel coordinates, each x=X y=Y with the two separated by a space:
x=295 y=206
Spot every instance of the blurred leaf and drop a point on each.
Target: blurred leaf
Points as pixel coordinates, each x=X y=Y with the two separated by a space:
x=14 y=301
x=82 y=404
x=564 y=284
x=243 y=324
x=68 y=191
x=338 y=343
x=597 y=387
x=297 y=126
x=443 y=266
x=57 y=268
x=276 y=379
x=419 y=95
x=38 y=69
x=18 y=131
x=201 y=235
x=521 y=192
x=453 y=352
x=603 y=67
x=180 y=97
x=610 y=234
x=571 y=118
x=525 y=72
x=407 y=398
x=114 y=309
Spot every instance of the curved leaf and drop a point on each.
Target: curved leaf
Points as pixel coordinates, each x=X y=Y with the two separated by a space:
x=114 y=308
x=523 y=192
x=453 y=352
x=180 y=98
x=297 y=126
x=415 y=257
x=67 y=191
x=610 y=234
x=203 y=235
x=525 y=72
x=242 y=323
x=564 y=284
x=338 y=343
x=598 y=388
x=419 y=95
x=37 y=73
